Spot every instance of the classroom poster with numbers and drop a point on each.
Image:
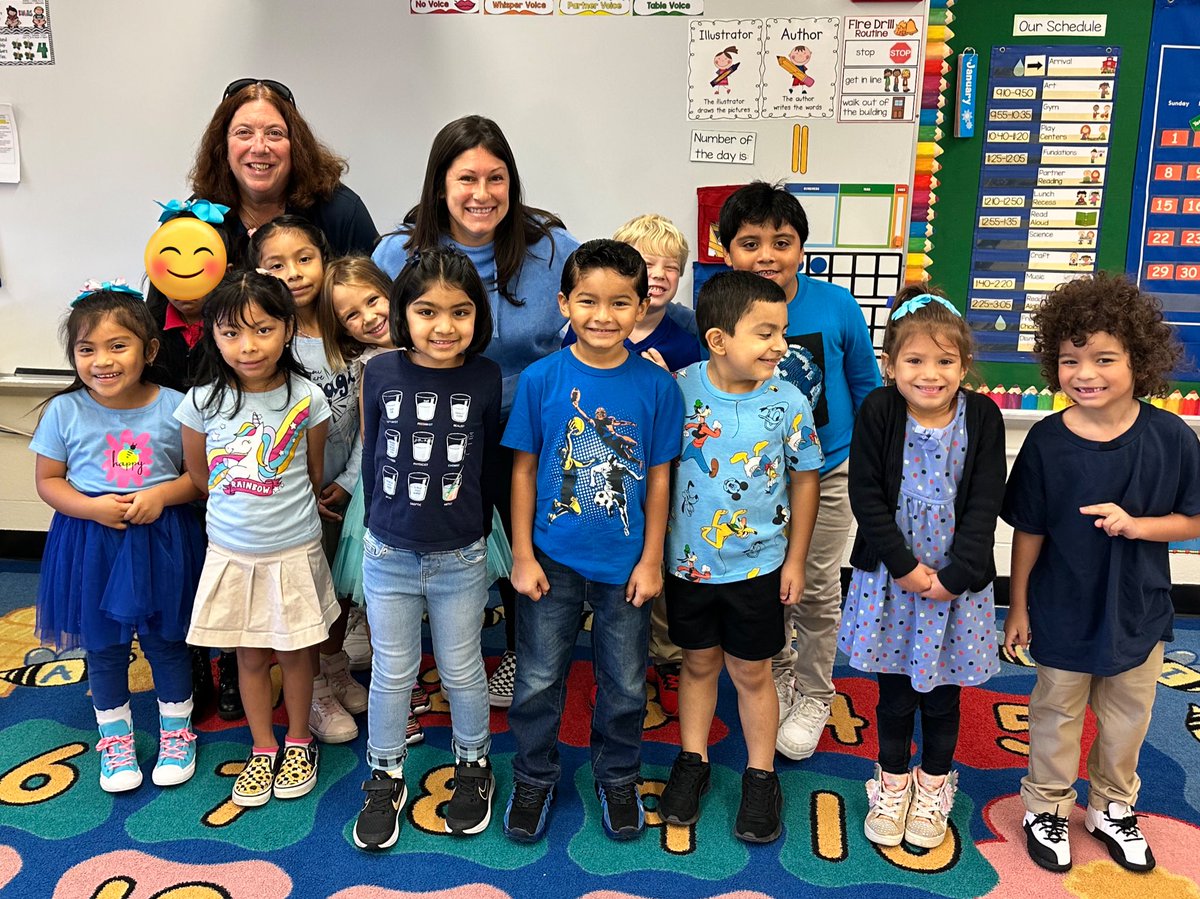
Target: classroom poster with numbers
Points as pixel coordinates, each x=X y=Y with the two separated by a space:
x=1164 y=228
x=26 y=38
x=1047 y=130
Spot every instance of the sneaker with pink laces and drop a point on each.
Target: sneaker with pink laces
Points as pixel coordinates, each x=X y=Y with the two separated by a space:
x=119 y=769
x=176 y=752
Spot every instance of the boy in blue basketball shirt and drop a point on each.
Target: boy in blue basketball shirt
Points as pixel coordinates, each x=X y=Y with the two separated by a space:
x=763 y=229
x=593 y=429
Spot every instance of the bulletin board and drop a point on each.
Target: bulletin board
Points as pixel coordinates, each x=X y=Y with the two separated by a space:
x=967 y=174
x=609 y=116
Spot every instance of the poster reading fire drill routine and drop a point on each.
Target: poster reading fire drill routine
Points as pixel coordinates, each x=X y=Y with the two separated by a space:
x=1047 y=132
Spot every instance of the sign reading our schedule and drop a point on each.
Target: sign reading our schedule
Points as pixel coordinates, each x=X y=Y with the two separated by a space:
x=1046 y=132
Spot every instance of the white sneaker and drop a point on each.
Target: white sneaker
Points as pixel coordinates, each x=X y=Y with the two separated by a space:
x=349 y=692
x=1046 y=840
x=1118 y=830
x=785 y=691
x=925 y=824
x=329 y=722
x=357 y=644
x=889 y=797
x=801 y=730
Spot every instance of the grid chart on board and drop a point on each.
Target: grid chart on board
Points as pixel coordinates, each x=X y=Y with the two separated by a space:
x=873 y=279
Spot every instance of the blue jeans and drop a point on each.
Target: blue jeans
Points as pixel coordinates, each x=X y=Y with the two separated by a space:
x=398 y=586
x=546 y=632
x=170 y=663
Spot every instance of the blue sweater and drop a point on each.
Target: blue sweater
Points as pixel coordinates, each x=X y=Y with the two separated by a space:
x=520 y=334
x=831 y=360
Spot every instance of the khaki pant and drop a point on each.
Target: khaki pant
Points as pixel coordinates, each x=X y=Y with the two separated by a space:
x=1122 y=706
x=661 y=648
x=816 y=617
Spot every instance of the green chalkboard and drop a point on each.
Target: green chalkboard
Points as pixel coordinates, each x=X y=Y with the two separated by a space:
x=985 y=24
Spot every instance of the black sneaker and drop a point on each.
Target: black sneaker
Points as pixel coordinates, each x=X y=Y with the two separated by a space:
x=229 y=697
x=378 y=823
x=528 y=808
x=621 y=811
x=470 y=806
x=762 y=801
x=689 y=780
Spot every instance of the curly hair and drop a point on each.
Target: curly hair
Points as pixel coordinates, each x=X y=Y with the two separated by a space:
x=1113 y=304
x=316 y=170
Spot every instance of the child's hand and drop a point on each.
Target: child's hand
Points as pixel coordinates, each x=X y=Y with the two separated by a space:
x=937 y=592
x=1115 y=520
x=791 y=583
x=645 y=583
x=109 y=510
x=528 y=578
x=918 y=580
x=145 y=507
x=334 y=496
x=655 y=356
x=1016 y=629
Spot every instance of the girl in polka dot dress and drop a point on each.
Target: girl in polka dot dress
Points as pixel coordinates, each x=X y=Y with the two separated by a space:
x=927 y=469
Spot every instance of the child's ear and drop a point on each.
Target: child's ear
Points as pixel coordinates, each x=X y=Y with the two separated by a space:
x=151 y=350
x=886 y=362
x=643 y=308
x=714 y=338
x=563 y=306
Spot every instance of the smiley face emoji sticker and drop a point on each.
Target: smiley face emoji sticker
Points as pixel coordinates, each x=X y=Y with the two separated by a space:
x=185 y=258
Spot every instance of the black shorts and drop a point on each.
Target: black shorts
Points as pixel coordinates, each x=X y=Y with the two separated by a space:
x=744 y=618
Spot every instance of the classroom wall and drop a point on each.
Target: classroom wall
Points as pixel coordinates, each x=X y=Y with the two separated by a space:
x=595 y=108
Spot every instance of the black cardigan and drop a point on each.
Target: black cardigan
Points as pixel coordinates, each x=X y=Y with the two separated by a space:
x=176 y=363
x=876 y=465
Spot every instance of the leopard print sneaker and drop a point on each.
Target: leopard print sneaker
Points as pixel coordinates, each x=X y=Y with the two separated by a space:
x=253 y=786
x=297 y=773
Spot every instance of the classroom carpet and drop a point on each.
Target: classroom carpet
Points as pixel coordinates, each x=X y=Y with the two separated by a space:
x=61 y=836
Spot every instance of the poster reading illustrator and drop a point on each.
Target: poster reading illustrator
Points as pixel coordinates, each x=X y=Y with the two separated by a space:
x=25 y=38
x=725 y=69
x=801 y=72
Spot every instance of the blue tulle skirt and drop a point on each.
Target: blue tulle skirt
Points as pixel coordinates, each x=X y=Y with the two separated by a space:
x=347 y=563
x=99 y=586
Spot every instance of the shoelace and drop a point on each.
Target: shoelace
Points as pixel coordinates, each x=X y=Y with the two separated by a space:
x=670 y=679
x=324 y=702
x=379 y=792
x=928 y=802
x=687 y=775
x=528 y=796
x=1128 y=827
x=118 y=751
x=340 y=679
x=886 y=802
x=808 y=709
x=1053 y=828
x=622 y=795
x=758 y=796
x=172 y=744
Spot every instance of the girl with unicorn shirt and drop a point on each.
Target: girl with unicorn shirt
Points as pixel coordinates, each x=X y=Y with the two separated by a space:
x=254 y=440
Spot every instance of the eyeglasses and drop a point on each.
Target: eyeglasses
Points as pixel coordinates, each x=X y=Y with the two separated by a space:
x=278 y=86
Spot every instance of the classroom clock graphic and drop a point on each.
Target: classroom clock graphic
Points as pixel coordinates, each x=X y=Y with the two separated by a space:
x=185 y=258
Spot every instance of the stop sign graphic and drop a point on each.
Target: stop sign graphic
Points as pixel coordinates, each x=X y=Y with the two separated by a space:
x=901 y=53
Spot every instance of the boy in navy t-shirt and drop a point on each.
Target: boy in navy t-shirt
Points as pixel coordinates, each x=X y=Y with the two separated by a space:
x=593 y=429
x=1097 y=492
x=831 y=359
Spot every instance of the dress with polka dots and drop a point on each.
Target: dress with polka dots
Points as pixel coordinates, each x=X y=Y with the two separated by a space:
x=885 y=628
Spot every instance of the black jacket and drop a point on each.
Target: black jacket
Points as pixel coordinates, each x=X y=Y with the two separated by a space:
x=876 y=464
x=175 y=365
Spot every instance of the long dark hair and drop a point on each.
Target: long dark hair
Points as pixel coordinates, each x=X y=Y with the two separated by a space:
x=229 y=302
x=429 y=221
x=129 y=311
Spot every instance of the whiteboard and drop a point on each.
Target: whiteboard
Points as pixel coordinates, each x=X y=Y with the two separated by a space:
x=596 y=109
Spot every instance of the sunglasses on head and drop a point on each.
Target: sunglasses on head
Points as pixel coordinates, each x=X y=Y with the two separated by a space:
x=278 y=86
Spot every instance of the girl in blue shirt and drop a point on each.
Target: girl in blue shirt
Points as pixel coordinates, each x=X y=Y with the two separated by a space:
x=123 y=553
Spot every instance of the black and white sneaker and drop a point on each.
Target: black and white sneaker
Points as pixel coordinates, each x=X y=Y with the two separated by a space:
x=470 y=807
x=378 y=823
x=502 y=682
x=1117 y=829
x=1047 y=842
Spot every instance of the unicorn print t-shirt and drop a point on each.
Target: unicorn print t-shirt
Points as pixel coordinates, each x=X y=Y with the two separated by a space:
x=112 y=450
x=260 y=498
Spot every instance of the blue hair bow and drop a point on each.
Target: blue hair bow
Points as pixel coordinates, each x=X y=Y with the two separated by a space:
x=918 y=302
x=213 y=213
x=117 y=285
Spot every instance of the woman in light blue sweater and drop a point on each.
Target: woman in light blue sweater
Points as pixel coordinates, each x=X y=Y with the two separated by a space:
x=472 y=200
